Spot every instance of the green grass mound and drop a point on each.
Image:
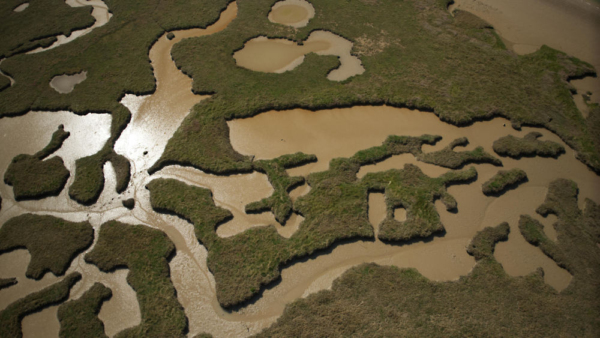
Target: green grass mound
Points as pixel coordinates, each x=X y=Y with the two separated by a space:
x=449 y=158
x=11 y=317
x=146 y=253
x=52 y=242
x=528 y=146
x=280 y=202
x=390 y=302
x=32 y=177
x=416 y=192
x=79 y=318
x=504 y=180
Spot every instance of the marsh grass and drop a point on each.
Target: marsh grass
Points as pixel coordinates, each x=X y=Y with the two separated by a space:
x=416 y=192
x=38 y=24
x=528 y=146
x=32 y=177
x=504 y=180
x=449 y=158
x=335 y=209
x=388 y=301
x=52 y=242
x=12 y=315
x=146 y=253
x=429 y=61
x=79 y=318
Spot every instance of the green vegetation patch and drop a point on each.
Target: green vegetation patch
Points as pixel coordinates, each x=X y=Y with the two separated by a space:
x=280 y=202
x=528 y=146
x=32 y=177
x=449 y=158
x=394 y=302
x=336 y=208
x=483 y=244
x=426 y=61
x=52 y=242
x=416 y=192
x=11 y=317
x=146 y=253
x=7 y=282
x=79 y=318
x=504 y=180
x=38 y=24
x=533 y=232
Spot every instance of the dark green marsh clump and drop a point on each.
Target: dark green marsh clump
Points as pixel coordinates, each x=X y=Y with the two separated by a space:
x=487 y=302
x=483 y=244
x=11 y=317
x=503 y=180
x=7 y=282
x=52 y=242
x=32 y=177
x=280 y=202
x=528 y=146
x=146 y=253
x=449 y=158
x=416 y=192
x=79 y=318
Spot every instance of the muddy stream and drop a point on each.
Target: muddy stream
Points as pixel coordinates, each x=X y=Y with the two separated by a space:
x=328 y=134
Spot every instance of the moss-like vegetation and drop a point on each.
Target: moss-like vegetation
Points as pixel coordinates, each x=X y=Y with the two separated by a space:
x=79 y=318
x=527 y=146
x=145 y=252
x=37 y=25
x=429 y=61
x=416 y=192
x=52 y=242
x=483 y=244
x=449 y=158
x=336 y=208
x=129 y=203
x=7 y=282
x=4 y=82
x=11 y=317
x=504 y=180
x=279 y=202
x=115 y=57
x=390 y=302
x=32 y=177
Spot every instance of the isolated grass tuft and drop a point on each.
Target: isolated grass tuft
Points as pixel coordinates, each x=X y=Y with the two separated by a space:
x=504 y=180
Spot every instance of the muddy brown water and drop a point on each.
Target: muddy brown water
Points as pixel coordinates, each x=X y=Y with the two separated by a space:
x=572 y=26
x=280 y=55
x=328 y=134
x=65 y=84
x=293 y=13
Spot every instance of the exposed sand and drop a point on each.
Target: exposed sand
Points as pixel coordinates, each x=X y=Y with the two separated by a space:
x=293 y=13
x=280 y=55
x=65 y=84
x=21 y=7
x=100 y=13
x=572 y=26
